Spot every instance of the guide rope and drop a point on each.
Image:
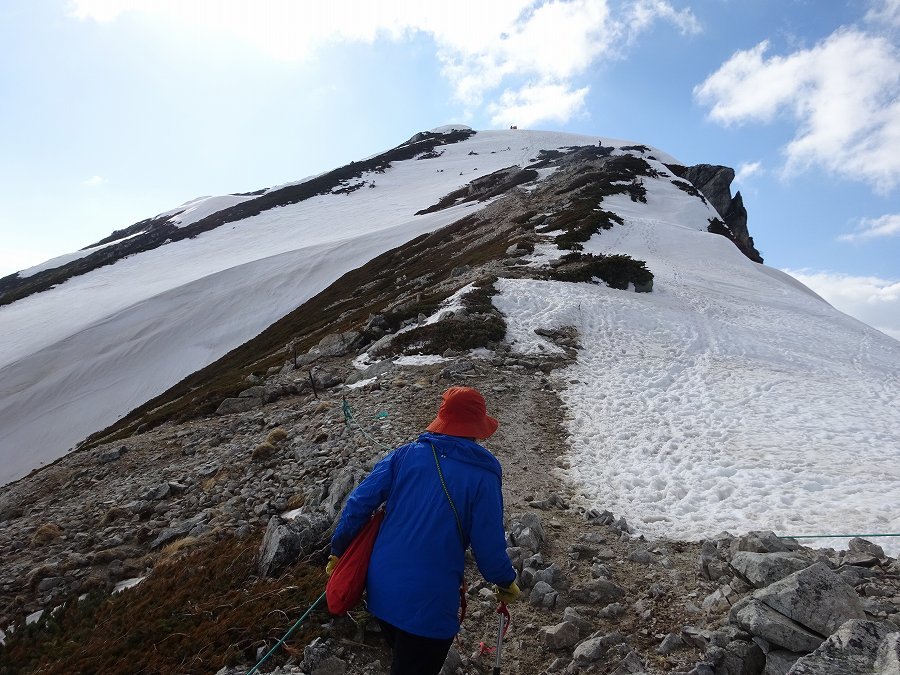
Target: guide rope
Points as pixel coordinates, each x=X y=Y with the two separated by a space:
x=290 y=630
x=351 y=421
x=833 y=536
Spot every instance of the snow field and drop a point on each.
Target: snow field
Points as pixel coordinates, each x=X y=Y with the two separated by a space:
x=729 y=398
x=77 y=357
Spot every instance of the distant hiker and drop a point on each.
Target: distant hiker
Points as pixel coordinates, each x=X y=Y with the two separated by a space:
x=442 y=494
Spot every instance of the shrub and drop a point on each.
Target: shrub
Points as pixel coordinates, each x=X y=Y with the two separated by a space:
x=295 y=502
x=457 y=334
x=276 y=436
x=615 y=270
x=46 y=533
x=263 y=451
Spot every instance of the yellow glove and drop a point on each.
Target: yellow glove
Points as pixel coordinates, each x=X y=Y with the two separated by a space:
x=508 y=594
x=332 y=563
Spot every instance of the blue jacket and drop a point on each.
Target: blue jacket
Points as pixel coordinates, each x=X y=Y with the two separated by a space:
x=418 y=560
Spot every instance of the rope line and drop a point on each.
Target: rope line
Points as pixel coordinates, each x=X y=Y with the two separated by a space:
x=290 y=630
x=832 y=536
x=350 y=421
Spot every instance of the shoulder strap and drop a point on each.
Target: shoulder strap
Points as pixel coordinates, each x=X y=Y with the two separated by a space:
x=447 y=492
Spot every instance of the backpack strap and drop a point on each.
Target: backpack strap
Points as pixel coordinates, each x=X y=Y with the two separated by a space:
x=464 y=586
x=449 y=499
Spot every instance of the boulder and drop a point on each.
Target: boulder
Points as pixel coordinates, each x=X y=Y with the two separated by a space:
x=594 y=649
x=762 y=541
x=560 y=636
x=543 y=595
x=856 y=648
x=763 y=569
x=761 y=620
x=815 y=597
x=284 y=542
x=780 y=661
x=858 y=545
x=597 y=591
x=238 y=405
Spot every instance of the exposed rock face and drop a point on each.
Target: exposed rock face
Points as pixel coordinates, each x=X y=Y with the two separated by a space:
x=715 y=184
x=858 y=647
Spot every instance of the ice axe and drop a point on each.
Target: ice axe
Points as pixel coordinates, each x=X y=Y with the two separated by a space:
x=501 y=631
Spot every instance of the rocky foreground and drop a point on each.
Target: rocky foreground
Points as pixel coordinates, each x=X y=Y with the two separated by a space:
x=596 y=597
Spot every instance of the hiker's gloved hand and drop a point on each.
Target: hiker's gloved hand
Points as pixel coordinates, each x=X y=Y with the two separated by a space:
x=332 y=563
x=508 y=594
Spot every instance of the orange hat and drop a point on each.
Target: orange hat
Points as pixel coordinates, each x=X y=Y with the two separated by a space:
x=463 y=413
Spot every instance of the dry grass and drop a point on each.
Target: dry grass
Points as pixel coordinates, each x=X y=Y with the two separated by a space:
x=179 y=546
x=276 y=436
x=296 y=502
x=45 y=534
x=263 y=451
x=194 y=614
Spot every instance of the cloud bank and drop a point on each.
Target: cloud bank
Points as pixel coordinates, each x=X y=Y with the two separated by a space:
x=842 y=95
x=875 y=228
x=521 y=58
x=872 y=300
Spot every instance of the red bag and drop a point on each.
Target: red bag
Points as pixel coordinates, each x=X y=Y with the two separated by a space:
x=348 y=580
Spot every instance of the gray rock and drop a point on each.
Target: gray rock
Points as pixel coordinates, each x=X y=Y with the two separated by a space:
x=543 y=595
x=815 y=597
x=238 y=405
x=527 y=526
x=157 y=493
x=853 y=649
x=108 y=456
x=597 y=591
x=573 y=617
x=170 y=534
x=612 y=611
x=669 y=644
x=560 y=636
x=338 y=344
x=452 y=663
x=763 y=569
x=739 y=658
x=258 y=391
x=780 y=661
x=339 y=490
x=594 y=649
x=641 y=555
x=630 y=665
x=284 y=542
x=763 y=621
x=764 y=541
x=858 y=545
x=887 y=660
x=716 y=602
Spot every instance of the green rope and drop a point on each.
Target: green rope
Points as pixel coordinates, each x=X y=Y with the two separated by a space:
x=291 y=630
x=350 y=421
x=833 y=536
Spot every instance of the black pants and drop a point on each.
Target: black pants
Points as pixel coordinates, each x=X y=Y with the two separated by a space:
x=414 y=654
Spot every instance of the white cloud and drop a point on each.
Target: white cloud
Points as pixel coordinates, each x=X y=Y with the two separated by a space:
x=94 y=181
x=872 y=300
x=875 y=228
x=843 y=94
x=481 y=45
x=746 y=170
x=537 y=102
x=885 y=12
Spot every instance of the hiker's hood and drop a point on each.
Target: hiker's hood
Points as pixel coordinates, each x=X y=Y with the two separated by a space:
x=463 y=450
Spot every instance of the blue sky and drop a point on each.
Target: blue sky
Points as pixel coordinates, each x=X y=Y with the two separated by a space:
x=115 y=110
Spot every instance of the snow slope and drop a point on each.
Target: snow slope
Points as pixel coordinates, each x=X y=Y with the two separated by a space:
x=731 y=397
x=77 y=357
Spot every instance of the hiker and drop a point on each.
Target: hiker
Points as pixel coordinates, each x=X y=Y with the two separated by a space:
x=415 y=577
